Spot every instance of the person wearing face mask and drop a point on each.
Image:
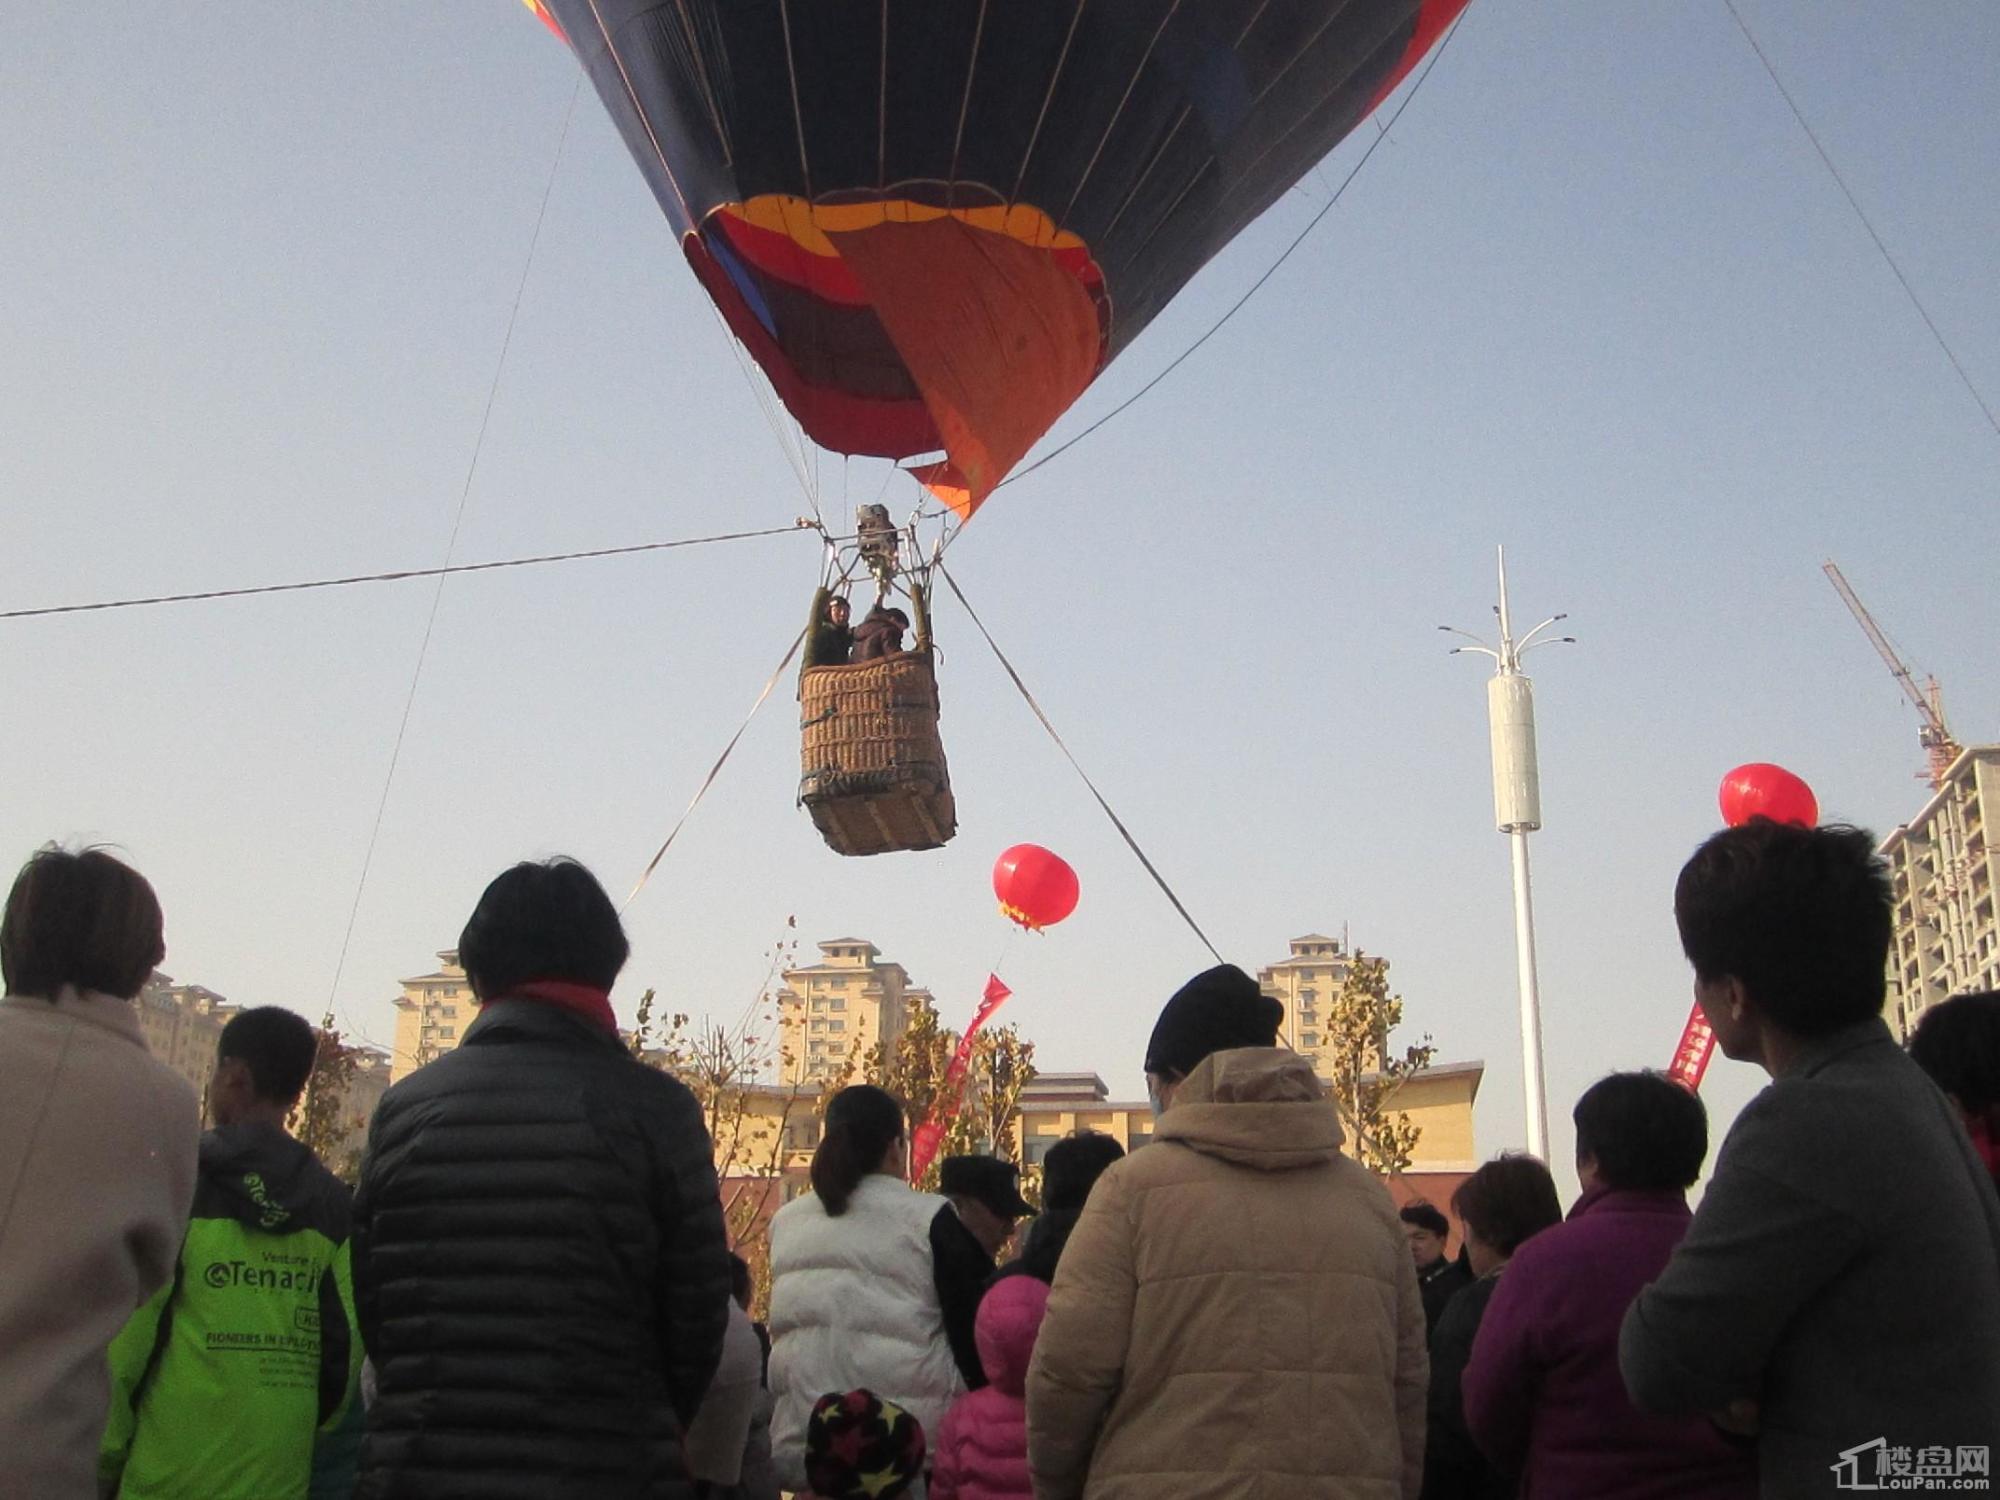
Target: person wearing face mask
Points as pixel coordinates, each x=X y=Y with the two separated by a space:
x=1236 y=1310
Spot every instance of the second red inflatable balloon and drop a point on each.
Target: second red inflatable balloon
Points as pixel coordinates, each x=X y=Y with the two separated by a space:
x=1762 y=790
x=1036 y=888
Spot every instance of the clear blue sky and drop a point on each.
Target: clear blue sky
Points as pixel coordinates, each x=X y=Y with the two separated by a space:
x=1595 y=298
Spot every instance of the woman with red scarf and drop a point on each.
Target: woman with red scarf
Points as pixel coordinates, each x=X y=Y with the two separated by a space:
x=1958 y=1044
x=539 y=1263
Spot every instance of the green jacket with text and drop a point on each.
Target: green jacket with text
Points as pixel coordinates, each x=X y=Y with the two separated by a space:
x=224 y=1382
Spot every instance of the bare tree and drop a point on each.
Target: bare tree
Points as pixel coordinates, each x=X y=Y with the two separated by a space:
x=321 y=1119
x=734 y=1072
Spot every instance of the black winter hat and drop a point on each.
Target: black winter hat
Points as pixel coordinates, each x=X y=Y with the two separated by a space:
x=1215 y=1011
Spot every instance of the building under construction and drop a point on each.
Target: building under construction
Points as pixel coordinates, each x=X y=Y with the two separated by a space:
x=1944 y=867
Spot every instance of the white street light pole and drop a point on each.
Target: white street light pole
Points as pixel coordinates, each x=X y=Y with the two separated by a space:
x=1517 y=810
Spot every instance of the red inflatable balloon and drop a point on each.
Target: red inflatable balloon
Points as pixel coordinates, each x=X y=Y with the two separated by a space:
x=1036 y=888
x=1761 y=790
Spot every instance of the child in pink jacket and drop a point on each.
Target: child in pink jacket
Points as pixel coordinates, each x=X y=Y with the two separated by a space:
x=982 y=1447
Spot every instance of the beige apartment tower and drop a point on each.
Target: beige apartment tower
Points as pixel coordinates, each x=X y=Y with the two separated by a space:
x=431 y=1015
x=1943 y=867
x=183 y=1025
x=1304 y=984
x=835 y=1010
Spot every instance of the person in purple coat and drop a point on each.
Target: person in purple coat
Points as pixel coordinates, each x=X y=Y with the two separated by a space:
x=1543 y=1397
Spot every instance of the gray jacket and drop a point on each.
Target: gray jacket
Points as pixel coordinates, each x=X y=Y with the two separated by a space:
x=1843 y=1271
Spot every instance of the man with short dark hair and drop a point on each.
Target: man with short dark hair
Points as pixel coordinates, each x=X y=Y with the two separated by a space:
x=984 y=1203
x=540 y=1262
x=1840 y=1282
x=1438 y=1278
x=225 y=1383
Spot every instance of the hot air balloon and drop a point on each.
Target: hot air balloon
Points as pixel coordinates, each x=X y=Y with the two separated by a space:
x=933 y=223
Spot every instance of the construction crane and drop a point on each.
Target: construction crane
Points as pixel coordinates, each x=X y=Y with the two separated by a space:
x=1940 y=748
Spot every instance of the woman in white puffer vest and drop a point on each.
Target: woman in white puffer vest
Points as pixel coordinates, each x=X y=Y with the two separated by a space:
x=854 y=1302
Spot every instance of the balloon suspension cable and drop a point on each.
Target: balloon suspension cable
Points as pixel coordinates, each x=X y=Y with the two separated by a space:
x=713 y=771
x=1116 y=822
x=1360 y=1131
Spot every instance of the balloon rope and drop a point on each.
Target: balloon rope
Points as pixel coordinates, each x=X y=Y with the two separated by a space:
x=402 y=574
x=1361 y=1132
x=714 y=771
x=1116 y=822
x=1992 y=420
x=451 y=547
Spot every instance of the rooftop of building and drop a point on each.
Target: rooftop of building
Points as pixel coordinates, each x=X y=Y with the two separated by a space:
x=1961 y=771
x=448 y=957
x=1084 y=1087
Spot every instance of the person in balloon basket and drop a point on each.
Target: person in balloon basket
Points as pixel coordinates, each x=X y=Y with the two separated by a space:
x=540 y=1265
x=1840 y=1281
x=830 y=642
x=879 y=634
x=983 y=1202
x=264 y=1267
x=1958 y=1044
x=97 y=1158
x=1542 y=1397
x=854 y=1288
x=1439 y=1277
x=1236 y=1311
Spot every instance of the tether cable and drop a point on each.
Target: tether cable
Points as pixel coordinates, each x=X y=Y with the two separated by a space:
x=1860 y=213
x=403 y=574
x=713 y=771
x=1116 y=822
x=451 y=545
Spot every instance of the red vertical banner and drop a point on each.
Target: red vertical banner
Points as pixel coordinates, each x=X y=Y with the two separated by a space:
x=929 y=1136
x=1697 y=1046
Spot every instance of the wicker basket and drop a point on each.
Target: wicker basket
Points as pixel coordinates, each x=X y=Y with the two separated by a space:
x=872 y=768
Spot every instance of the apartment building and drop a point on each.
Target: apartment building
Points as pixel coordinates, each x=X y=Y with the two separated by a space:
x=830 y=1013
x=431 y=1015
x=1943 y=868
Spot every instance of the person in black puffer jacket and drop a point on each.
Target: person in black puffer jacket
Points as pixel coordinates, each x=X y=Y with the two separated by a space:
x=541 y=1272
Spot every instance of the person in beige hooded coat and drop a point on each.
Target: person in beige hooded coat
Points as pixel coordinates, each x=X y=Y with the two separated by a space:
x=97 y=1159
x=1236 y=1316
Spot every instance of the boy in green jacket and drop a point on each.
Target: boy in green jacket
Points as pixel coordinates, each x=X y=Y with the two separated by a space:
x=223 y=1383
